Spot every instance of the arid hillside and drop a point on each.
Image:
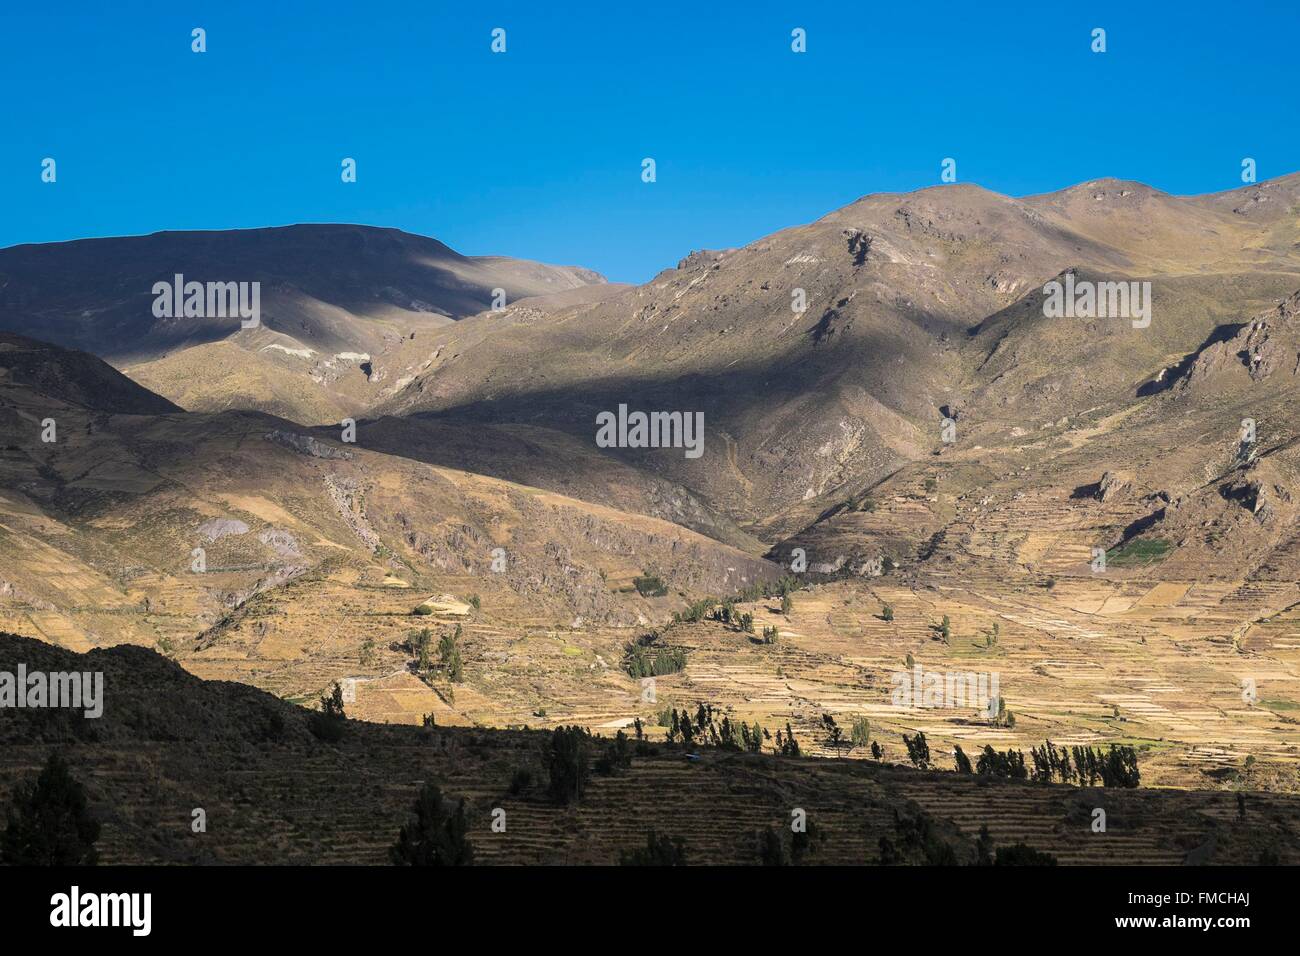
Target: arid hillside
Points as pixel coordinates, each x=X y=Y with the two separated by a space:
x=341 y=308
x=824 y=357
x=170 y=529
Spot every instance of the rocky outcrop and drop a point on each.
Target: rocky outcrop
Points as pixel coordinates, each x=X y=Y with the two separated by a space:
x=306 y=445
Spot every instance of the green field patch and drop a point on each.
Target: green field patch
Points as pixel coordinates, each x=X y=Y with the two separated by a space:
x=1138 y=552
x=1280 y=704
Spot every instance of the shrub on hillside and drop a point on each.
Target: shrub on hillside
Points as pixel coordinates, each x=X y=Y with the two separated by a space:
x=568 y=763
x=658 y=851
x=49 y=822
x=650 y=585
x=330 y=722
x=435 y=836
x=449 y=656
x=918 y=751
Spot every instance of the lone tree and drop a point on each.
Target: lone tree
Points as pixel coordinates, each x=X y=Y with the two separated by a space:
x=568 y=761
x=834 y=735
x=449 y=656
x=420 y=643
x=984 y=847
x=918 y=751
x=861 y=734
x=49 y=823
x=771 y=849
x=962 y=761
x=330 y=722
x=435 y=836
x=887 y=612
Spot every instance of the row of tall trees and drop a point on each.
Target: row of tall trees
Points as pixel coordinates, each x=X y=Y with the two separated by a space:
x=705 y=728
x=1087 y=766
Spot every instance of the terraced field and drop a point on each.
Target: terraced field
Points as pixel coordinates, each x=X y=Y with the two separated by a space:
x=170 y=743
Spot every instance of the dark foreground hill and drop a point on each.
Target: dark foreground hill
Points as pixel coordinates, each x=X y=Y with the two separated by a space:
x=169 y=743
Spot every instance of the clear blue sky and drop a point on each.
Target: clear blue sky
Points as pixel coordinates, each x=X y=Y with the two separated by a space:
x=537 y=152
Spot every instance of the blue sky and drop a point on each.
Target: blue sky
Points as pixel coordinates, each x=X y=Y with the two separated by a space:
x=537 y=152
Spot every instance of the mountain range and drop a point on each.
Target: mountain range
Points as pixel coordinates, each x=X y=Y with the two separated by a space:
x=1102 y=508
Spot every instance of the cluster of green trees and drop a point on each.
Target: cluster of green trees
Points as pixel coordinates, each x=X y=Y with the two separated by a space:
x=1018 y=854
x=1087 y=766
x=696 y=612
x=420 y=646
x=726 y=613
x=1117 y=767
x=706 y=728
x=435 y=835
x=917 y=839
x=647 y=661
x=49 y=822
x=568 y=763
x=787 y=584
x=1010 y=764
x=918 y=750
x=859 y=736
x=774 y=849
x=834 y=734
x=787 y=746
x=650 y=585
x=449 y=656
x=658 y=851
x=709 y=607
x=616 y=757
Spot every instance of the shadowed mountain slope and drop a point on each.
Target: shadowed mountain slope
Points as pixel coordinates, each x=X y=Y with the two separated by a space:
x=338 y=303
x=181 y=530
x=915 y=303
x=75 y=378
